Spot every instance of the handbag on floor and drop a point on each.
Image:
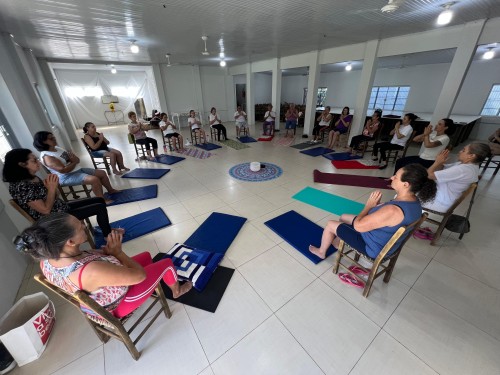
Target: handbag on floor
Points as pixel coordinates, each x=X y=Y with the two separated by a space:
x=458 y=224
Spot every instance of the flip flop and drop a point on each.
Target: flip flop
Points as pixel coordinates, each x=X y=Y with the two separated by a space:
x=359 y=271
x=351 y=280
x=423 y=234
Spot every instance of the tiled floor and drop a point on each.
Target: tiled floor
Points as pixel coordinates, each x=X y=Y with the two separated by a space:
x=281 y=314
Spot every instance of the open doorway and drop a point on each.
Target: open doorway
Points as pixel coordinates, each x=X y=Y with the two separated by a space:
x=241 y=95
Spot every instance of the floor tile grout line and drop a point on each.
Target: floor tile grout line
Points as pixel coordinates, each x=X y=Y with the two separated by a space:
x=196 y=332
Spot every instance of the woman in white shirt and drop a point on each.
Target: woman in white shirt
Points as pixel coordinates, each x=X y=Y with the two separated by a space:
x=324 y=120
x=269 y=120
x=169 y=129
x=434 y=140
x=240 y=118
x=215 y=123
x=453 y=179
x=401 y=135
x=195 y=125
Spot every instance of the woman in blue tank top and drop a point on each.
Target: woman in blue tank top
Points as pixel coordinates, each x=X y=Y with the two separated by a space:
x=369 y=231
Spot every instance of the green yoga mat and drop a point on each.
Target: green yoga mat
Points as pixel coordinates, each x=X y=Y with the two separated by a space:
x=234 y=144
x=328 y=202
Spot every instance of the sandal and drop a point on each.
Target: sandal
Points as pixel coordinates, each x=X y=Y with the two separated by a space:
x=351 y=280
x=423 y=234
x=359 y=271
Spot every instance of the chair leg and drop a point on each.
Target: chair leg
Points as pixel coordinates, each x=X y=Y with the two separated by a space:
x=127 y=341
x=163 y=301
x=439 y=230
x=371 y=277
x=338 y=257
x=390 y=268
x=101 y=335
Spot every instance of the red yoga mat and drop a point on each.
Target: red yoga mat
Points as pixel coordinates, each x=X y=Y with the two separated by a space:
x=351 y=164
x=266 y=139
x=351 y=180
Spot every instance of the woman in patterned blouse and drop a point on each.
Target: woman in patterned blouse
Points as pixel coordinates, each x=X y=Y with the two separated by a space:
x=40 y=197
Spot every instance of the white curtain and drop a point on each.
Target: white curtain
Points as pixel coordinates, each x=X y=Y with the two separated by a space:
x=82 y=91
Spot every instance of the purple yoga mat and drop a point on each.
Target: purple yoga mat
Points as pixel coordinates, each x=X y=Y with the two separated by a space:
x=351 y=180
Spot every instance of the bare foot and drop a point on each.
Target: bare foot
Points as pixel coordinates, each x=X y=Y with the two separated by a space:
x=113 y=191
x=108 y=201
x=118 y=173
x=316 y=251
x=183 y=289
x=125 y=169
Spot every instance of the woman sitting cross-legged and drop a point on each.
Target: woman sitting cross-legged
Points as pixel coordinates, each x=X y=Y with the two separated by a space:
x=217 y=124
x=453 y=179
x=369 y=231
x=115 y=281
x=341 y=127
x=401 y=135
x=138 y=129
x=99 y=146
x=39 y=197
x=170 y=132
x=62 y=163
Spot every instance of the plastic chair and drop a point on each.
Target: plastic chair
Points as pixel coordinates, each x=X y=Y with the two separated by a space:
x=446 y=215
x=97 y=163
x=104 y=323
x=384 y=262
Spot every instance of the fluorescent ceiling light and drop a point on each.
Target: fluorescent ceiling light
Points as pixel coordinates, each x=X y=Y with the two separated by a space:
x=446 y=15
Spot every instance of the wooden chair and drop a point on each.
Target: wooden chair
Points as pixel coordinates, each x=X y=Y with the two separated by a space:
x=196 y=136
x=384 y=262
x=97 y=163
x=88 y=226
x=139 y=148
x=324 y=132
x=394 y=154
x=489 y=161
x=106 y=325
x=446 y=215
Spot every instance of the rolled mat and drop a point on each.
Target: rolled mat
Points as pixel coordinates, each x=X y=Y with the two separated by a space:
x=136 y=226
x=351 y=180
x=328 y=202
x=348 y=164
x=299 y=232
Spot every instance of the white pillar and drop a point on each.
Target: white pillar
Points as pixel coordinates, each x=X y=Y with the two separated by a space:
x=159 y=87
x=364 y=87
x=276 y=91
x=249 y=96
x=198 y=93
x=312 y=92
x=458 y=70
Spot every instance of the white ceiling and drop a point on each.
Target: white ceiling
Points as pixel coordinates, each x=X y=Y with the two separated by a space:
x=101 y=30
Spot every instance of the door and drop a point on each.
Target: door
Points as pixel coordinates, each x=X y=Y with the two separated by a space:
x=241 y=97
x=7 y=139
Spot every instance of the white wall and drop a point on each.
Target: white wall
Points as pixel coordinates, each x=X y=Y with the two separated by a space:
x=342 y=87
x=262 y=88
x=214 y=81
x=292 y=89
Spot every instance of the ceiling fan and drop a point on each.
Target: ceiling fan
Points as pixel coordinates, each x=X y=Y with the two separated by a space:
x=205 y=52
x=169 y=64
x=392 y=6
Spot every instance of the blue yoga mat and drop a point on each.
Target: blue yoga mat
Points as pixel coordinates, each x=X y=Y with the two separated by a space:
x=341 y=156
x=247 y=139
x=216 y=233
x=317 y=151
x=136 y=226
x=146 y=173
x=328 y=202
x=168 y=159
x=207 y=146
x=133 y=195
x=299 y=232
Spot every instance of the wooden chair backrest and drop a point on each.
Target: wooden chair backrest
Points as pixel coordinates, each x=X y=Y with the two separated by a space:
x=87 y=147
x=471 y=189
x=18 y=208
x=409 y=229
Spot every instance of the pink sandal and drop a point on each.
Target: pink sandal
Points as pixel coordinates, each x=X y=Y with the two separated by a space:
x=424 y=233
x=359 y=271
x=351 y=280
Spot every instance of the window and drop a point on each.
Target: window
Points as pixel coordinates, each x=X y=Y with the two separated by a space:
x=320 y=99
x=392 y=98
x=492 y=105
